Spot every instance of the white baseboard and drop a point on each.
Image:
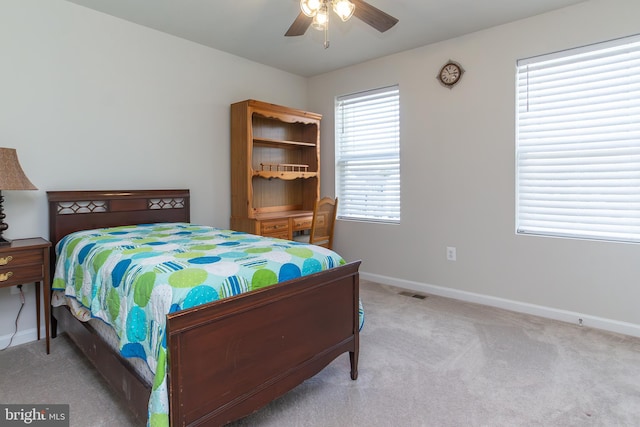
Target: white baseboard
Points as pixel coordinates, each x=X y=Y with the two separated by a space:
x=21 y=337
x=517 y=306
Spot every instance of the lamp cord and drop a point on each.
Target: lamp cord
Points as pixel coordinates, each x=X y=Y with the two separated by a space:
x=16 y=324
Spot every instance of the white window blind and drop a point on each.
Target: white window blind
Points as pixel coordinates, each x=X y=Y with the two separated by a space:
x=578 y=143
x=368 y=155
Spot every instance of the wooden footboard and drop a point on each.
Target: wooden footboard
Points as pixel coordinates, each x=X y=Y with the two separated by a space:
x=231 y=357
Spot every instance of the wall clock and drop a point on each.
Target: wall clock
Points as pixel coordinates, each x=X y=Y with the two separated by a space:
x=450 y=74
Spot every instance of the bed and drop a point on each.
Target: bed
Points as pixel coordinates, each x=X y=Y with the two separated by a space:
x=312 y=319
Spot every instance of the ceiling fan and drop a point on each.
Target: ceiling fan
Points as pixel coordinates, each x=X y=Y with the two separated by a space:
x=315 y=13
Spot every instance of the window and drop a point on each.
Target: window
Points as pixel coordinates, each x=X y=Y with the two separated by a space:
x=368 y=155
x=578 y=143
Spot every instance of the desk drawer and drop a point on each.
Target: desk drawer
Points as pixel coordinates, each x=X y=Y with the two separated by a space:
x=302 y=223
x=279 y=235
x=275 y=228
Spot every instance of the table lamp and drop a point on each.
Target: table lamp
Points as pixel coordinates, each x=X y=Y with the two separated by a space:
x=12 y=177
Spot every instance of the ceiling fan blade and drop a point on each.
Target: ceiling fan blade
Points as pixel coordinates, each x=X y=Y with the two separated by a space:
x=299 y=26
x=373 y=16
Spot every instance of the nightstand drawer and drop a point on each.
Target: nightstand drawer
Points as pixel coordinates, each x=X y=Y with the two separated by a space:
x=19 y=258
x=18 y=276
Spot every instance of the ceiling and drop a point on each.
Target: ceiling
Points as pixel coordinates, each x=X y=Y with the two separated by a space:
x=254 y=29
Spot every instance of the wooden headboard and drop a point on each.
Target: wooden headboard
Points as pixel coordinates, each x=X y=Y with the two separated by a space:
x=71 y=211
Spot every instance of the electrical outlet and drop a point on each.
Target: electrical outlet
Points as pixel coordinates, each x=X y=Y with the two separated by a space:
x=451 y=253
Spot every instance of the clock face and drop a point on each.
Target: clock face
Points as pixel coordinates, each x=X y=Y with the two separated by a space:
x=450 y=74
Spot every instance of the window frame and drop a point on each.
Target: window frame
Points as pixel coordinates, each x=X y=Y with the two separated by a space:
x=373 y=115
x=581 y=186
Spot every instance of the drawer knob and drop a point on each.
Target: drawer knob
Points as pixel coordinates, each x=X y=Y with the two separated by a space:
x=5 y=276
x=5 y=260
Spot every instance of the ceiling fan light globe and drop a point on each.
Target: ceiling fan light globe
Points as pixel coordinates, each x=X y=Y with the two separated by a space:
x=318 y=24
x=310 y=7
x=321 y=19
x=344 y=9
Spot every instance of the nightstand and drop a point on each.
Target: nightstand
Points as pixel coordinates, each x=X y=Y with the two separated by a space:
x=27 y=261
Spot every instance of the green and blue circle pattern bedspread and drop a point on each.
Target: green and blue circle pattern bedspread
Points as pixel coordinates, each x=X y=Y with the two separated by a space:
x=131 y=277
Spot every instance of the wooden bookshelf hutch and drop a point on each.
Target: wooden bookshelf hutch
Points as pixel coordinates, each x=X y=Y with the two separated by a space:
x=275 y=168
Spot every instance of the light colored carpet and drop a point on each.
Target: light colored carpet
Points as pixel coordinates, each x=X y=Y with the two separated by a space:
x=423 y=362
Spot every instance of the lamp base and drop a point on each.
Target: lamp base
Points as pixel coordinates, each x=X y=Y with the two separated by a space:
x=4 y=242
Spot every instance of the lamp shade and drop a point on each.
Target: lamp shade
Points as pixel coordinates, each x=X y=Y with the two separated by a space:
x=12 y=176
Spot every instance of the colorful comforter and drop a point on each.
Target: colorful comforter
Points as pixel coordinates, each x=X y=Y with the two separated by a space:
x=131 y=277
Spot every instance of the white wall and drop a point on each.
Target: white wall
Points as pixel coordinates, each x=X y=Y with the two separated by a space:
x=457 y=160
x=94 y=102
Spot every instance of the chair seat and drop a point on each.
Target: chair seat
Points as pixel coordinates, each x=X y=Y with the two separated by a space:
x=302 y=238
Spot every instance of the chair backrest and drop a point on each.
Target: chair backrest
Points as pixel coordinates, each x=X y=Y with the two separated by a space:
x=324 y=219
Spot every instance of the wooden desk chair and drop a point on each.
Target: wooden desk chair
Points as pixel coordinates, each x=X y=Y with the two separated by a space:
x=324 y=219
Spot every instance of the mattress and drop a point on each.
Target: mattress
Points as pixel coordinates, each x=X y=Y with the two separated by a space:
x=103 y=330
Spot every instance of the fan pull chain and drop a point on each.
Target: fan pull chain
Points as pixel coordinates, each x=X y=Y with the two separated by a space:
x=326 y=33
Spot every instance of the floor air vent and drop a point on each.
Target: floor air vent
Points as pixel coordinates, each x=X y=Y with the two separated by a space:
x=412 y=295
